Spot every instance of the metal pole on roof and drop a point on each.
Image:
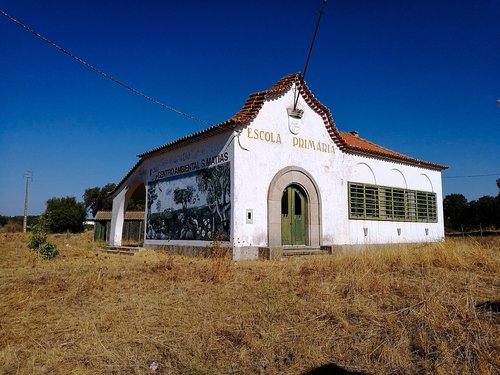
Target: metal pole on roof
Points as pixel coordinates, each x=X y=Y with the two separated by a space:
x=321 y=12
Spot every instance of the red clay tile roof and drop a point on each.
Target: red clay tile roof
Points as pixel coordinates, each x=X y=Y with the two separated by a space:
x=345 y=141
x=359 y=145
x=244 y=116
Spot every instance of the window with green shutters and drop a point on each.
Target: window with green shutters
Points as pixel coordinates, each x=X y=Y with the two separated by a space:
x=373 y=202
x=357 y=201
x=399 y=204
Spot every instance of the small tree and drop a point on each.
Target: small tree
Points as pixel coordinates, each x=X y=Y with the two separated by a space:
x=3 y=220
x=38 y=237
x=39 y=244
x=96 y=198
x=487 y=210
x=455 y=210
x=65 y=214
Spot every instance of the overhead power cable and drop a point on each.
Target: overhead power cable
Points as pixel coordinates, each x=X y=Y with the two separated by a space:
x=474 y=175
x=98 y=71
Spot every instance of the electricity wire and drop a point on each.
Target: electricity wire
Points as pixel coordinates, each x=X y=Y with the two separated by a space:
x=100 y=72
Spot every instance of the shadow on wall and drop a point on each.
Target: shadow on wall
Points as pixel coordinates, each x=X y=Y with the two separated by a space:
x=332 y=369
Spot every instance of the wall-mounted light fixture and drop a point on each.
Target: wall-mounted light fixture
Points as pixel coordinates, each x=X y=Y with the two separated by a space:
x=295 y=112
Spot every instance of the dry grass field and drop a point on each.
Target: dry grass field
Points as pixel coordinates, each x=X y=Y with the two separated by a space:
x=402 y=310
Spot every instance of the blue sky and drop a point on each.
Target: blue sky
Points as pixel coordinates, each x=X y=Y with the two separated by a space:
x=419 y=77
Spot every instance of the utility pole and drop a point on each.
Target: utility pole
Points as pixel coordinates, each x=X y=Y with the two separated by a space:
x=29 y=176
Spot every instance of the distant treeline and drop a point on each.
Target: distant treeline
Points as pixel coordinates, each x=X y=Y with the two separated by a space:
x=15 y=223
x=67 y=214
x=459 y=214
x=462 y=215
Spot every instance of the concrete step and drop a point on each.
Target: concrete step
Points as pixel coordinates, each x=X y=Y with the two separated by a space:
x=124 y=250
x=304 y=252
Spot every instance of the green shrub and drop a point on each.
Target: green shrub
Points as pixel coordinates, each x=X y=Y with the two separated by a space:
x=39 y=244
x=48 y=250
x=38 y=237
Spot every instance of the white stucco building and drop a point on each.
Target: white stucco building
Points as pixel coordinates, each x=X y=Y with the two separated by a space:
x=274 y=179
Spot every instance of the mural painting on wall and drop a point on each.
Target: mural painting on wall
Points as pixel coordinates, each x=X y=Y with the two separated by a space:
x=191 y=206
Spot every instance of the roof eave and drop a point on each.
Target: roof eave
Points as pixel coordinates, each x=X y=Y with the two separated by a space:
x=249 y=112
x=403 y=159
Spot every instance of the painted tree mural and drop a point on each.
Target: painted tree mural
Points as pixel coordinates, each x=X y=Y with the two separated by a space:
x=183 y=196
x=152 y=196
x=204 y=197
x=215 y=182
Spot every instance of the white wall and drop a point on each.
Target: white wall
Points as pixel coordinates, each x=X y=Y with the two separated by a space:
x=394 y=175
x=268 y=145
x=254 y=169
x=271 y=148
x=154 y=168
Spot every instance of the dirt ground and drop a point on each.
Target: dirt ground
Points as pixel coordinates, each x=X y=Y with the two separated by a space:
x=401 y=310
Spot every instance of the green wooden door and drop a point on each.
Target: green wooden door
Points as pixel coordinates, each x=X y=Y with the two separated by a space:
x=293 y=216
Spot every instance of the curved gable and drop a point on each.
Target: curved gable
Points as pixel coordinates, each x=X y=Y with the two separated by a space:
x=346 y=142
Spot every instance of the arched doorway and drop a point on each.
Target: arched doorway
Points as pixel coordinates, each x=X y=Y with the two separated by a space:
x=294 y=184
x=293 y=216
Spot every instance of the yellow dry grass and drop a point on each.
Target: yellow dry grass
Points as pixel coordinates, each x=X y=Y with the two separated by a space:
x=402 y=310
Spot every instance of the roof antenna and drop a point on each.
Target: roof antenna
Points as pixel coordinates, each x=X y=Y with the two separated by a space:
x=321 y=12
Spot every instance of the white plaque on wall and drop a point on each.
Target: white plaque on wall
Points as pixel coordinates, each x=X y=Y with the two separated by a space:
x=295 y=120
